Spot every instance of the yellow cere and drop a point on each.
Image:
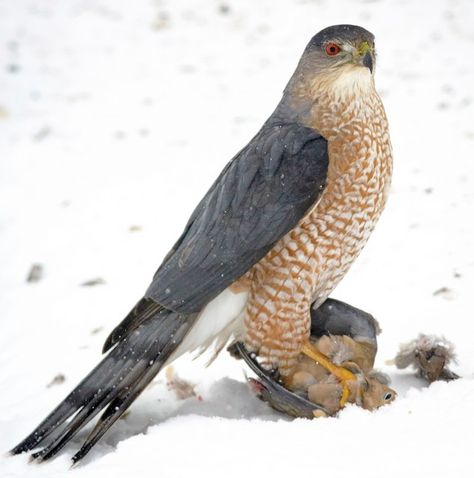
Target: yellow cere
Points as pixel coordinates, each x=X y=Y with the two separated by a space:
x=364 y=47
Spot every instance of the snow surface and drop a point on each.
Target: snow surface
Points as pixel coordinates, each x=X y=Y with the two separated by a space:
x=115 y=117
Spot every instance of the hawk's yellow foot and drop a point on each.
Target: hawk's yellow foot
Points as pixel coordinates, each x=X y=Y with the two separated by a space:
x=342 y=374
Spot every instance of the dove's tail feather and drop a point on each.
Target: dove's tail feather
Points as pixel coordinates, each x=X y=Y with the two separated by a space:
x=111 y=386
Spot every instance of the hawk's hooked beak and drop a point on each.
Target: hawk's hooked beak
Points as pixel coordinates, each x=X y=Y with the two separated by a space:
x=365 y=56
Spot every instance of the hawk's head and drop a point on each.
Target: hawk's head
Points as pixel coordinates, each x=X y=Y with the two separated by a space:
x=340 y=45
x=338 y=63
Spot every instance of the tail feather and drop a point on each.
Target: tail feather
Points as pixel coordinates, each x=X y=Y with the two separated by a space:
x=90 y=408
x=112 y=385
x=143 y=310
x=83 y=395
x=125 y=398
x=115 y=410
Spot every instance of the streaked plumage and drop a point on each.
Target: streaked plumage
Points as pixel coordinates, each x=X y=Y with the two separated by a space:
x=320 y=249
x=276 y=231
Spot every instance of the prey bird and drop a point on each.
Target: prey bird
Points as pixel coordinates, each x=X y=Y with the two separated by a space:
x=275 y=233
x=346 y=335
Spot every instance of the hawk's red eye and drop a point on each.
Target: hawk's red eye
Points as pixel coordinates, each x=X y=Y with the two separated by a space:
x=332 y=49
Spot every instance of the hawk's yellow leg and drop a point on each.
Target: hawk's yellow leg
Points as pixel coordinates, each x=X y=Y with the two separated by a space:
x=341 y=373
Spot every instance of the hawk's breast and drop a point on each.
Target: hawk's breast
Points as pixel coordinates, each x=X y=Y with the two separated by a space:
x=307 y=263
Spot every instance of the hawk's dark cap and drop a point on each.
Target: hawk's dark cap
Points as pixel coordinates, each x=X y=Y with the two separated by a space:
x=349 y=33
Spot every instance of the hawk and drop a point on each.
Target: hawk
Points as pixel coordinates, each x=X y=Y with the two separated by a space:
x=275 y=233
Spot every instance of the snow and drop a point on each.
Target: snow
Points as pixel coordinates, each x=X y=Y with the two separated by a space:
x=116 y=117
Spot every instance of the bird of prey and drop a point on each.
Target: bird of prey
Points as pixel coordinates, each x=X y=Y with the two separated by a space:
x=276 y=232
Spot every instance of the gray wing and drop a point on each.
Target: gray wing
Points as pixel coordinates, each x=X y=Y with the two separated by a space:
x=260 y=195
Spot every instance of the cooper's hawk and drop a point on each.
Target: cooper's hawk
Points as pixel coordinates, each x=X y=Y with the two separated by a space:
x=277 y=231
